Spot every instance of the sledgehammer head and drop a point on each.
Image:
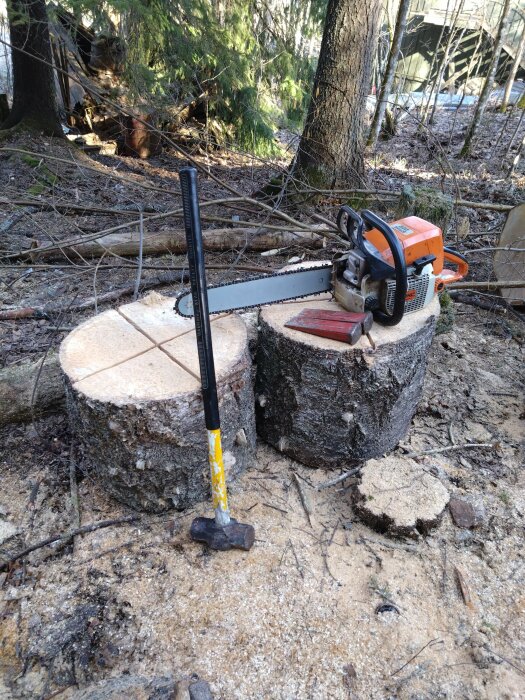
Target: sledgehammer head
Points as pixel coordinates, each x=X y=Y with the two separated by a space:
x=222 y=537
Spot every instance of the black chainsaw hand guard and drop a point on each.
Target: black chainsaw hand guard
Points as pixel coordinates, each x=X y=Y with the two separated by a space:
x=400 y=268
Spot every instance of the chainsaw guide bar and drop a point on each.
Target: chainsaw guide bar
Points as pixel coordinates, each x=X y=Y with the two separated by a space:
x=259 y=291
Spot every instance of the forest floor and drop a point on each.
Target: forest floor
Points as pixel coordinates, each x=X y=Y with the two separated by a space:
x=299 y=615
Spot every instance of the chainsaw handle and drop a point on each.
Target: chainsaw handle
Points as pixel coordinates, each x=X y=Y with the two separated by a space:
x=447 y=276
x=373 y=221
x=354 y=225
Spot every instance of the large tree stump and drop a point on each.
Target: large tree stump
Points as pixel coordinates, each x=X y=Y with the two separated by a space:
x=135 y=404
x=325 y=403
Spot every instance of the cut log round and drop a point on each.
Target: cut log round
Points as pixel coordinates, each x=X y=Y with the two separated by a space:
x=328 y=404
x=135 y=404
x=510 y=264
x=398 y=496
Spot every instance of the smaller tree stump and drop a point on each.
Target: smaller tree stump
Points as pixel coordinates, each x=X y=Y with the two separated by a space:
x=326 y=403
x=135 y=404
x=398 y=496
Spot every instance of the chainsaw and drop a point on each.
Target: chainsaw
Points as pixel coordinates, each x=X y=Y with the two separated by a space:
x=388 y=269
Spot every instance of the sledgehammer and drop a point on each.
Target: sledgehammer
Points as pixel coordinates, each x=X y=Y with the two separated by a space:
x=221 y=532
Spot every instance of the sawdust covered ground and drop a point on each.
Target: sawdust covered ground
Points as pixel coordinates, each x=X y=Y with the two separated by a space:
x=296 y=618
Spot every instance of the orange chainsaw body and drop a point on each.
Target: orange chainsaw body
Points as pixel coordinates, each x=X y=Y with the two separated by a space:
x=419 y=238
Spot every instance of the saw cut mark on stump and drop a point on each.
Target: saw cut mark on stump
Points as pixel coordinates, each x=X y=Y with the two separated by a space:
x=135 y=404
x=398 y=496
x=327 y=404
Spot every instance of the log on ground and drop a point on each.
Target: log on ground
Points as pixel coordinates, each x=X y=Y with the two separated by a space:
x=30 y=389
x=328 y=404
x=127 y=243
x=135 y=403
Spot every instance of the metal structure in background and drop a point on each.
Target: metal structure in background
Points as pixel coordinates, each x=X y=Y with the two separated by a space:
x=426 y=20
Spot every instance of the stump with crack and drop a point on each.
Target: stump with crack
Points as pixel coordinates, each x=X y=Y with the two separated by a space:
x=135 y=405
x=398 y=496
x=328 y=404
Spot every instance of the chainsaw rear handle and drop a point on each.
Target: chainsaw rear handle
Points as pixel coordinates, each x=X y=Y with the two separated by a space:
x=400 y=268
x=447 y=276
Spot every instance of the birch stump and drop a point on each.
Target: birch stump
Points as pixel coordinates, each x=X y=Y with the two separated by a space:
x=328 y=404
x=135 y=405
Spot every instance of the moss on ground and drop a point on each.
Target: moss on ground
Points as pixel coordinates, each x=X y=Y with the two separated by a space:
x=447 y=316
x=427 y=203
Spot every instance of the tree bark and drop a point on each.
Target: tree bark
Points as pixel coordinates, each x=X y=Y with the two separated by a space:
x=34 y=95
x=135 y=402
x=390 y=71
x=332 y=144
x=328 y=404
x=513 y=71
x=489 y=81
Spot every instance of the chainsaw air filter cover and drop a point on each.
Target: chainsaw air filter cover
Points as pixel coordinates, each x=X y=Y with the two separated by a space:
x=419 y=238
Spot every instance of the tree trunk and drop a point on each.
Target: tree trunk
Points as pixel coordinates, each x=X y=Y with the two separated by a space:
x=327 y=404
x=388 y=79
x=489 y=81
x=513 y=71
x=332 y=144
x=34 y=97
x=135 y=403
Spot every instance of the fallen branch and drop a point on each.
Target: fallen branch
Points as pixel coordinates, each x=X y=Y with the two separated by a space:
x=509 y=284
x=428 y=644
x=127 y=244
x=66 y=207
x=305 y=499
x=23 y=312
x=448 y=448
x=338 y=479
x=491 y=206
x=298 y=225
x=66 y=537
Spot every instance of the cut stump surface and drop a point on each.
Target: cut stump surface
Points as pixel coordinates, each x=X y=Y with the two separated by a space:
x=135 y=404
x=398 y=496
x=328 y=404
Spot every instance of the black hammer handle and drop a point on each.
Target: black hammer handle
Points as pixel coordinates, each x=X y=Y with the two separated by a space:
x=192 y=225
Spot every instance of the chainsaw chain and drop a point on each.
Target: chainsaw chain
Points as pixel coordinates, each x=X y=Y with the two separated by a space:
x=182 y=294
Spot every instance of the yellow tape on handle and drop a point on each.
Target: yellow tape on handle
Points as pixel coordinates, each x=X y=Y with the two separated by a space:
x=218 y=479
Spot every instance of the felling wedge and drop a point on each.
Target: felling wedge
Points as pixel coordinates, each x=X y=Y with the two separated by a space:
x=221 y=532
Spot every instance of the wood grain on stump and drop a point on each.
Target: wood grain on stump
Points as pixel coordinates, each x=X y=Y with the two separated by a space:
x=135 y=404
x=398 y=496
x=327 y=404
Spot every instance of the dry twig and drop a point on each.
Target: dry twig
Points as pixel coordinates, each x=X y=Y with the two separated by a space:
x=66 y=537
x=339 y=479
x=448 y=448
x=305 y=499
